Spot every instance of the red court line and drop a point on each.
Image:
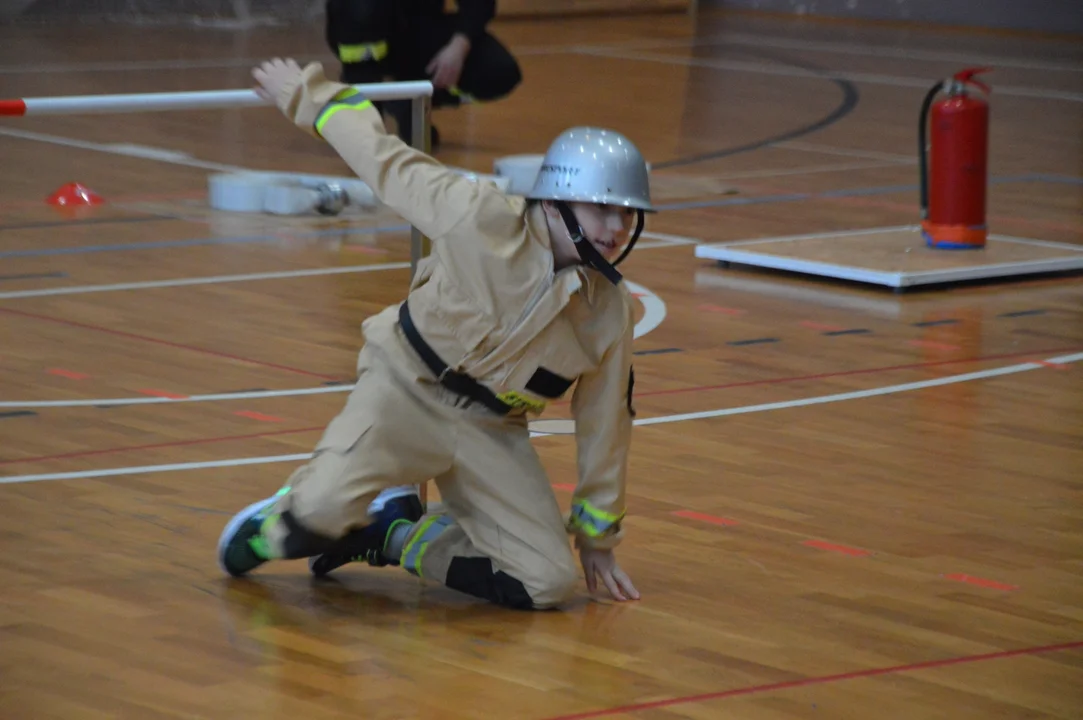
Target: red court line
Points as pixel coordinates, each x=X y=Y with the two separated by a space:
x=167 y=343
x=820 y=326
x=252 y=415
x=933 y=345
x=980 y=582
x=158 y=446
x=723 y=310
x=821 y=680
x=70 y=374
x=863 y=371
x=769 y=381
x=832 y=547
x=714 y=520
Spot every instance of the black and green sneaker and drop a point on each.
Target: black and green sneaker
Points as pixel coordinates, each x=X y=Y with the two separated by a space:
x=367 y=544
x=242 y=547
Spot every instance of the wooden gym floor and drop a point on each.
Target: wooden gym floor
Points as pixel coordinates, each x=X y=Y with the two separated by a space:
x=844 y=503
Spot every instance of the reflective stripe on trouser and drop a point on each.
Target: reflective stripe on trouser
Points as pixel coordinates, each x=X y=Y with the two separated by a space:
x=507 y=541
x=427 y=530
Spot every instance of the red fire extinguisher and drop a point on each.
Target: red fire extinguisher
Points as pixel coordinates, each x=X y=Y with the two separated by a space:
x=953 y=194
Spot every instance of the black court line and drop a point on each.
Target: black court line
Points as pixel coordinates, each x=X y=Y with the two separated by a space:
x=855 y=331
x=934 y=323
x=17 y=413
x=850 y=99
x=33 y=276
x=753 y=342
x=1022 y=313
x=661 y=351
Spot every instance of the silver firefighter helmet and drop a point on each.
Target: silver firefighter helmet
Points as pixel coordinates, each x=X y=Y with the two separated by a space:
x=594 y=165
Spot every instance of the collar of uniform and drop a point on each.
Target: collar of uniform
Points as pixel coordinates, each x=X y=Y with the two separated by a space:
x=588 y=281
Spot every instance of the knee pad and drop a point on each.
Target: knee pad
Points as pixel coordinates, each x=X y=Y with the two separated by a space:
x=475 y=576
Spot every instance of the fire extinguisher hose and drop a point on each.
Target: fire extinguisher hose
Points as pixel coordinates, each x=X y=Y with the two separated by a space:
x=922 y=148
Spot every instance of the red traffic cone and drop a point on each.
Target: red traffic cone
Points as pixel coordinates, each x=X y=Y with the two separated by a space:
x=74 y=194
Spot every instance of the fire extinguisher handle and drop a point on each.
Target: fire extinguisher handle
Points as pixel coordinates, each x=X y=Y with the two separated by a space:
x=967 y=77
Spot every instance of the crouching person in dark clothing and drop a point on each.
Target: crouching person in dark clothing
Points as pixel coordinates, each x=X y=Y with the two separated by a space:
x=403 y=40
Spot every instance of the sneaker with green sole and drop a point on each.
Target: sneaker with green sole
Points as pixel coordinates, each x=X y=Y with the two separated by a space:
x=241 y=546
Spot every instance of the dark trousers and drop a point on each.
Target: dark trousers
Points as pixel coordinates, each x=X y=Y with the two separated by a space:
x=375 y=40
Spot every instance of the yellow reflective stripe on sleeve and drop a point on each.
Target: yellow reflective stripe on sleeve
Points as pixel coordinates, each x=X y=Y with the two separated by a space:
x=363 y=51
x=348 y=99
x=463 y=96
x=592 y=521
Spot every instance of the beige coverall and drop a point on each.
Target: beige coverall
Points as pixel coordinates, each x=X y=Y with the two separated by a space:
x=488 y=302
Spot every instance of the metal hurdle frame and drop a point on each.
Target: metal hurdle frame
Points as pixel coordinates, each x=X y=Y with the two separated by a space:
x=419 y=93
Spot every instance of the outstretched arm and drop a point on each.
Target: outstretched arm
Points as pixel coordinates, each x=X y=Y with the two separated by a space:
x=428 y=195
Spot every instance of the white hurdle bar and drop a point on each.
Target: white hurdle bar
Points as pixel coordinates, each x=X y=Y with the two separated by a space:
x=419 y=93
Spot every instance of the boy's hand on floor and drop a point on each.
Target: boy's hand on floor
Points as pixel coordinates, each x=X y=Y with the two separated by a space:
x=602 y=563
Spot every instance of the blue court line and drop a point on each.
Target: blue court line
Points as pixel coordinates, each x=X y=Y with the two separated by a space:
x=159 y=244
x=89 y=221
x=1058 y=179
x=848 y=192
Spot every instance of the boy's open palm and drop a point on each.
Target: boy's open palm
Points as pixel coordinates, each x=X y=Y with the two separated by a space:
x=271 y=76
x=603 y=564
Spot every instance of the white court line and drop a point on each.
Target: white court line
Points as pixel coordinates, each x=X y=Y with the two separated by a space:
x=846 y=152
x=664 y=241
x=818 y=235
x=654 y=313
x=136 y=151
x=808 y=170
x=787 y=71
x=684 y=417
x=211 y=280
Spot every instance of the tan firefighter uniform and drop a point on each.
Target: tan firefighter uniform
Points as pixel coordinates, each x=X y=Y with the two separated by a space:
x=488 y=304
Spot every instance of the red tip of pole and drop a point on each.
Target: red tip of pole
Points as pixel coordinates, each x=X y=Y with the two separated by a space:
x=12 y=107
x=74 y=194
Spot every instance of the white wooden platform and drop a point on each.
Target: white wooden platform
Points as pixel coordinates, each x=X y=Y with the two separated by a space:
x=896 y=257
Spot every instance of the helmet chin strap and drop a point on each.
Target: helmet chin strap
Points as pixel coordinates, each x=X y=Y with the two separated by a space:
x=587 y=253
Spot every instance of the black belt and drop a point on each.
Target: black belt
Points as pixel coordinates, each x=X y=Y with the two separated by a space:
x=455 y=381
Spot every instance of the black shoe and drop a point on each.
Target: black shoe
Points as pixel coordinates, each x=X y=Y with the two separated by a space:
x=368 y=543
